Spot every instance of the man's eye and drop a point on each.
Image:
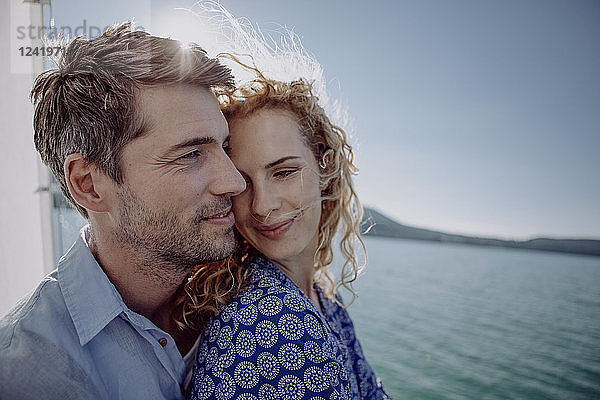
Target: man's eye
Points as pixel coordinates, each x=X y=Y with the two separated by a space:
x=190 y=155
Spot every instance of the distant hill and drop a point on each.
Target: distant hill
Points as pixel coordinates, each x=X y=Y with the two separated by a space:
x=381 y=225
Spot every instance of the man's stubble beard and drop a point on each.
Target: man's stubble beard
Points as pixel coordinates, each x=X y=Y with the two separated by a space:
x=161 y=240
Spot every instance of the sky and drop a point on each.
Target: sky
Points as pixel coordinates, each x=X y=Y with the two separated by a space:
x=473 y=117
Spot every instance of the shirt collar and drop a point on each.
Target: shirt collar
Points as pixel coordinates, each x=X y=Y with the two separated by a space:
x=90 y=297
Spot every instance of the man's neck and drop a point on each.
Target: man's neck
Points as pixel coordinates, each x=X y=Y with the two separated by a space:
x=146 y=286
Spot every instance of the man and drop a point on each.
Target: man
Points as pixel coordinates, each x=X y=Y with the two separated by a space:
x=132 y=130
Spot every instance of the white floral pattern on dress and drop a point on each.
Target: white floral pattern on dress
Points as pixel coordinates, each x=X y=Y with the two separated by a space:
x=271 y=342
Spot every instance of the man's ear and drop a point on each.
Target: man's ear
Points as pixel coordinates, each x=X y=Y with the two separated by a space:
x=87 y=184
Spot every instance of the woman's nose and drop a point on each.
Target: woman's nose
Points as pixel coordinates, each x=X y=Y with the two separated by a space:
x=264 y=201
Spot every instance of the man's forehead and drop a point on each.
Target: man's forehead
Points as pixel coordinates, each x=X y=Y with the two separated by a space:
x=177 y=103
x=163 y=137
x=173 y=114
x=153 y=92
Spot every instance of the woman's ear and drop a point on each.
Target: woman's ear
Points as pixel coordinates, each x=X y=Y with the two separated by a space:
x=325 y=162
x=86 y=183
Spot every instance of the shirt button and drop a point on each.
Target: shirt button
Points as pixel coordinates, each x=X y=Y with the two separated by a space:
x=162 y=341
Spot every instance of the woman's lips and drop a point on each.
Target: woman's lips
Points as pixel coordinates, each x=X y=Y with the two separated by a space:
x=275 y=231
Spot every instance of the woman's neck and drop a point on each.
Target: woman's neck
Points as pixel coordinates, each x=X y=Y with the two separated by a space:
x=302 y=275
x=300 y=268
x=301 y=271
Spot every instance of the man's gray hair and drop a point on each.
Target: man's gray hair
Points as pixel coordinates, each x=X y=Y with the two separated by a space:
x=87 y=104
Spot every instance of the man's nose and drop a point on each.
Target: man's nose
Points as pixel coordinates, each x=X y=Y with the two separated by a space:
x=228 y=180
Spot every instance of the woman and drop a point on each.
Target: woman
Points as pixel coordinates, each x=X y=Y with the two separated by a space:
x=276 y=328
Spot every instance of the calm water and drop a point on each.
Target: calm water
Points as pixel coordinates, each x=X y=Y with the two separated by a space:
x=446 y=321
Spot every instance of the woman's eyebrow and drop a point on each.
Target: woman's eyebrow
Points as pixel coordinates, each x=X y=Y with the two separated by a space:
x=281 y=160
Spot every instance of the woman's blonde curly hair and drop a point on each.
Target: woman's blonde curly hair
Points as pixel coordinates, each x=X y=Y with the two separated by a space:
x=213 y=285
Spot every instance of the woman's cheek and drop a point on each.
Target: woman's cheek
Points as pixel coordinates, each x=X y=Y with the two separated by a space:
x=239 y=212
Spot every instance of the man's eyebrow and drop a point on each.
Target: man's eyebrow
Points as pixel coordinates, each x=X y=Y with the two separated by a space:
x=281 y=160
x=197 y=141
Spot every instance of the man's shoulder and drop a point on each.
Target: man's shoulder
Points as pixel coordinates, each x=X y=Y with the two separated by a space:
x=70 y=306
x=36 y=365
x=38 y=328
x=42 y=308
x=32 y=348
x=45 y=311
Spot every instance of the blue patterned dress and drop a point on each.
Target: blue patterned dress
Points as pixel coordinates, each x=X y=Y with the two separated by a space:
x=271 y=342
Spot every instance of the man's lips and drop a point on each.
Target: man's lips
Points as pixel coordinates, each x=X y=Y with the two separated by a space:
x=222 y=218
x=274 y=231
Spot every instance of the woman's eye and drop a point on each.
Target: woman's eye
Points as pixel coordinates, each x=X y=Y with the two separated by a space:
x=285 y=173
x=226 y=147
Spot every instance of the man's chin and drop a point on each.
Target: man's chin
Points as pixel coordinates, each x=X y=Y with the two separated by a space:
x=219 y=252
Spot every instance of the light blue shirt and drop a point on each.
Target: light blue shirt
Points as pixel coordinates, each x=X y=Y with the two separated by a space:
x=74 y=338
